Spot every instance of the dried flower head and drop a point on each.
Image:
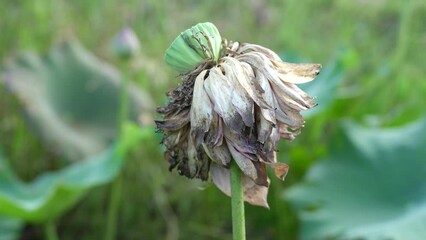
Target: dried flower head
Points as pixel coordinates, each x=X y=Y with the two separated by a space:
x=235 y=102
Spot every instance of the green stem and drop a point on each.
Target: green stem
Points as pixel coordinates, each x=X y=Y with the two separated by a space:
x=114 y=198
x=124 y=105
x=50 y=230
x=404 y=30
x=113 y=207
x=237 y=203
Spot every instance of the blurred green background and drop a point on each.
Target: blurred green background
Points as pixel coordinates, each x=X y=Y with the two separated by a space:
x=357 y=170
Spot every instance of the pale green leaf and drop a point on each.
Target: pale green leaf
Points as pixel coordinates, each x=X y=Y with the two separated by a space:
x=48 y=196
x=71 y=98
x=10 y=228
x=371 y=187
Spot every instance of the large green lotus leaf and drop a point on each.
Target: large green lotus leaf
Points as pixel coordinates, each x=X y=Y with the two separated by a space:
x=10 y=229
x=71 y=98
x=371 y=187
x=48 y=196
x=52 y=193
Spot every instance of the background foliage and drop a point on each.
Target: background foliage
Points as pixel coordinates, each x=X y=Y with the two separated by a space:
x=373 y=54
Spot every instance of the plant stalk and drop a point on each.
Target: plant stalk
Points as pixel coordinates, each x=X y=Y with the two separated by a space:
x=113 y=207
x=114 y=198
x=50 y=230
x=237 y=204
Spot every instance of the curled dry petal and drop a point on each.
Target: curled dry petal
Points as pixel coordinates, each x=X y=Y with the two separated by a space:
x=248 y=47
x=287 y=115
x=262 y=65
x=253 y=193
x=174 y=122
x=264 y=128
x=201 y=111
x=192 y=159
x=215 y=134
x=296 y=73
x=220 y=92
x=218 y=154
x=280 y=169
x=245 y=76
x=239 y=97
x=245 y=164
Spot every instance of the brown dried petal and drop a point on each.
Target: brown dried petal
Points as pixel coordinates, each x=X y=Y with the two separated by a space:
x=262 y=65
x=201 y=110
x=264 y=128
x=218 y=154
x=288 y=115
x=244 y=107
x=280 y=169
x=174 y=122
x=215 y=134
x=249 y=47
x=295 y=72
x=245 y=164
x=192 y=159
x=198 y=163
x=253 y=193
x=245 y=76
x=220 y=92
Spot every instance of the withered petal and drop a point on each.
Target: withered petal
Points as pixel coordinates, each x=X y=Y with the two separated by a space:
x=220 y=92
x=198 y=163
x=285 y=133
x=245 y=76
x=192 y=158
x=244 y=143
x=279 y=94
x=215 y=134
x=273 y=139
x=264 y=128
x=262 y=177
x=253 y=193
x=249 y=47
x=262 y=65
x=201 y=112
x=287 y=115
x=218 y=154
x=280 y=169
x=296 y=72
x=245 y=164
x=174 y=122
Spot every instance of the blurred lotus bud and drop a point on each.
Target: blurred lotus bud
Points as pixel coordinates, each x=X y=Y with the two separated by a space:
x=126 y=44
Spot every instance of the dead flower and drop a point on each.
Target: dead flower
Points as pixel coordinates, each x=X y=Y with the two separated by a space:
x=235 y=102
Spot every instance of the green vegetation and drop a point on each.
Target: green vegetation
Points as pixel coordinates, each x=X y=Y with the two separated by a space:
x=374 y=68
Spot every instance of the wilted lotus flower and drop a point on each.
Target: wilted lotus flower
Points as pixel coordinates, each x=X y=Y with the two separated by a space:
x=235 y=102
x=126 y=44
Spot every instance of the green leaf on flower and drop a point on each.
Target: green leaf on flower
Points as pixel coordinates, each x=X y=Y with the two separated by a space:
x=371 y=187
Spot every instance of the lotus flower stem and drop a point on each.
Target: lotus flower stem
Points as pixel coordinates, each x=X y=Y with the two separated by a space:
x=114 y=199
x=50 y=230
x=114 y=205
x=237 y=204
